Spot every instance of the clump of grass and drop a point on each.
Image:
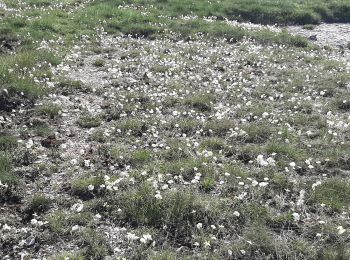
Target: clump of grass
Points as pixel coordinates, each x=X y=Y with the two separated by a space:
x=177 y=151
x=112 y=113
x=248 y=153
x=285 y=152
x=38 y=204
x=98 y=136
x=99 y=63
x=187 y=126
x=89 y=121
x=257 y=133
x=235 y=170
x=140 y=157
x=95 y=244
x=309 y=27
x=218 y=127
x=180 y=211
x=119 y=154
x=67 y=87
x=18 y=92
x=81 y=187
x=201 y=102
x=207 y=184
x=261 y=238
x=41 y=129
x=18 y=89
x=334 y=252
x=135 y=127
x=213 y=144
x=60 y=223
x=7 y=142
x=68 y=255
x=183 y=167
x=335 y=193
x=10 y=182
x=51 y=110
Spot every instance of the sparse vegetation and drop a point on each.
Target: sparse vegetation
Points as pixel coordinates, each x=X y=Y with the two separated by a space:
x=334 y=194
x=167 y=130
x=49 y=110
x=99 y=63
x=89 y=121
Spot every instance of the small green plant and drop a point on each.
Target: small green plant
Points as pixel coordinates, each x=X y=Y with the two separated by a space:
x=140 y=157
x=42 y=130
x=39 y=203
x=176 y=151
x=49 y=109
x=99 y=63
x=309 y=27
x=213 y=144
x=89 y=121
x=218 y=127
x=7 y=142
x=68 y=255
x=67 y=87
x=87 y=188
x=95 y=244
x=208 y=184
x=257 y=133
x=60 y=223
x=134 y=126
x=187 y=126
x=335 y=193
x=98 y=136
x=201 y=102
x=285 y=152
x=10 y=182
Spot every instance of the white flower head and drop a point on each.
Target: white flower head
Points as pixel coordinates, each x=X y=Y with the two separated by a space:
x=158 y=196
x=236 y=213
x=78 y=207
x=341 y=230
x=296 y=216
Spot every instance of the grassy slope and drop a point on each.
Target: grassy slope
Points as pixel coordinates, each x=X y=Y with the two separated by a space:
x=258 y=11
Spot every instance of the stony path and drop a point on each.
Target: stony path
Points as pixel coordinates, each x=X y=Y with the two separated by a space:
x=326 y=34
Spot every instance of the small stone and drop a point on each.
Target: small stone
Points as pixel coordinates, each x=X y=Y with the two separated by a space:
x=313 y=38
x=30 y=241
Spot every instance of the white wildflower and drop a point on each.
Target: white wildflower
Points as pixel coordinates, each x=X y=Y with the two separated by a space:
x=236 y=213
x=296 y=216
x=341 y=230
x=158 y=196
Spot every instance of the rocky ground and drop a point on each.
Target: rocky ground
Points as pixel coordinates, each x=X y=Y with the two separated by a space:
x=337 y=35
